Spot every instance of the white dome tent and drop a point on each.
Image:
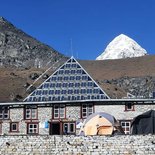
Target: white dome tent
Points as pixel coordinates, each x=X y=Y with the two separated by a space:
x=100 y=124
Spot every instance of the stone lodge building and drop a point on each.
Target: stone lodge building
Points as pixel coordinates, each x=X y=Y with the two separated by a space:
x=63 y=101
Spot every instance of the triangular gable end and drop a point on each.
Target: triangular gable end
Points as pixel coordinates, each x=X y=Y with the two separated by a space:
x=69 y=83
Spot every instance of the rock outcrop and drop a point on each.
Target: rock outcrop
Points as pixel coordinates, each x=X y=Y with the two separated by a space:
x=17 y=49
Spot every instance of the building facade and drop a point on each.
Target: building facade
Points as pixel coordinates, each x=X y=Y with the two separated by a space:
x=63 y=101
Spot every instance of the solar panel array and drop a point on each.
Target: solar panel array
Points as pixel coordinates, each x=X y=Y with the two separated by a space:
x=69 y=83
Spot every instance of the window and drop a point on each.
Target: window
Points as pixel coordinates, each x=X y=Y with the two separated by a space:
x=103 y=97
x=51 y=92
x=71 y=84
x=72 y=71
x=62 y=98
x=126 y=126
x=67 y=71
x=74 y=65
x=89 y=91
x=87 y=109
x=49 y=98
x=59 y=111
x=82 y=97
x=88 y=97
x=52 y=85
x=4 y=112
x=53 y=78
x=69 y=128
x=78 y=77
x=79 y=71
x=83 y=84
x=95 y=85
x=60 y=71
x=83 y=91
x=83 y=72
x=69 y=98
x=63 y=91
x=64 y=84
x=70 y=91
x=31 y=112
x=68 y=65
x=92 y=97
x=95 y=91
x=129 y=107
x=90 y=84
x=46 y=85
x=30 y=99
x=32 y=128
x=38 y=92
x=78 y=66
x=77 y=84
x=60 y=78
x=14 y=127
x=73 y=98
x=58 y=85
x=72 y=77
x=43 y=98
x=84 y=77
x=44 y=92
x=76 y=91
x=78 y=97
x=57 y=91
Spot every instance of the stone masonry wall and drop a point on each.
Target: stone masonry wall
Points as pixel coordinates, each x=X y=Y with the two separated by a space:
x=118 y=111
x=44 y=115
x=77 y=145
x=72 y=114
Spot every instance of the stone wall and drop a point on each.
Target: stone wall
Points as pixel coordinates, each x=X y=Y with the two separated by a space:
x=77 y=145
x=118 y=111
x=73 y=113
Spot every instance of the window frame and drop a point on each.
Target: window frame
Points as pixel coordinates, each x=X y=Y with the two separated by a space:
x=69 y=132
x=86 y=110
x=17 y=127
x=28 y=127
x=26 y=108
x=58 y=111
x=2 y=113
x=129 y=109
x=126 y=128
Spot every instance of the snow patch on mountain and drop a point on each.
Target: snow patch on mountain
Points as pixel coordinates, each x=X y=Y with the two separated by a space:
x=122 y=47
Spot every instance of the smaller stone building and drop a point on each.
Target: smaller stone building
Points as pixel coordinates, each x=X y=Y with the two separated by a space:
x=63 y=101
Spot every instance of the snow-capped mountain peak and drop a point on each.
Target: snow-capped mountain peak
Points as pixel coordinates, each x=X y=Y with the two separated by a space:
x=122 y=47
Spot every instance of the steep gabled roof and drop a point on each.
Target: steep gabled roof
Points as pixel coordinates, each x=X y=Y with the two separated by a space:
x=68 y=83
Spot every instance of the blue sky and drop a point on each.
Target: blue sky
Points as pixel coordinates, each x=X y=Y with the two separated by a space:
x=90 y=24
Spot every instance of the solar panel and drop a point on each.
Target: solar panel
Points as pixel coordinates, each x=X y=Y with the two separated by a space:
x=70 y=82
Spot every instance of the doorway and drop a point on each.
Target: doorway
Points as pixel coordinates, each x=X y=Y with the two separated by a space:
x=55 y=128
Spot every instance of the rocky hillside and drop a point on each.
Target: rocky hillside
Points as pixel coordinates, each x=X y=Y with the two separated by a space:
x=122 y=76
x=17 y=49
x=116 y=77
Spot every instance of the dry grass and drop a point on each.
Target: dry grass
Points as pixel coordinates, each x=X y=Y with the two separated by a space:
x=12 y=81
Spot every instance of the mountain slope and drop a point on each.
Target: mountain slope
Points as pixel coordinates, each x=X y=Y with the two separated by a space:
x=135 y=75
x=116 y=77
x=17 y=49
x=122 y=47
